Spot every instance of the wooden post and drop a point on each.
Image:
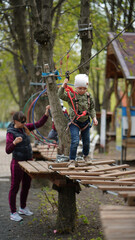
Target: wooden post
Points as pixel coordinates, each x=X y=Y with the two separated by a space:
x=66 y=217
x=133 y=95
x=128 y=112
x=116 y=95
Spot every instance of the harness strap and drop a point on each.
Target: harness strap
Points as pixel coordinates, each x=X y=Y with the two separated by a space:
x=88 y=99
x=75 y=108
x=81 y=129
x=85 y=127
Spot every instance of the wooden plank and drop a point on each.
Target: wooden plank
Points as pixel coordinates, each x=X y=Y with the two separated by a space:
x=82 y=173
x=103 y=162
x=127 y=179
x=112 y=168
x=119 y=173
x=115 y=188
x=100 y=182
x=93 y=178
x=28 y=167
x=45 y=165
x=118 y=215
x=39 y=167
x=115 y=208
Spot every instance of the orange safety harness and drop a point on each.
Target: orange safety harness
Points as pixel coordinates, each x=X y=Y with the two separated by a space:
x=68 y=90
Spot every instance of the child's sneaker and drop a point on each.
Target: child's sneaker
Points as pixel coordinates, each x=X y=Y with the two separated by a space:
x=71 y=164
x=87 y=160
x=15 y=217
x=25 y=211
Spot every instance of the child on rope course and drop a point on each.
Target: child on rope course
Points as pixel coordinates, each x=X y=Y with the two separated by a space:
x=81 y=109
x=18 y=143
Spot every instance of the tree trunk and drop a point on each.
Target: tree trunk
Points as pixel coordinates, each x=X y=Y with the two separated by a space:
x=86 y=36
x=44 y=37
x=66 y=217
x=24 y=67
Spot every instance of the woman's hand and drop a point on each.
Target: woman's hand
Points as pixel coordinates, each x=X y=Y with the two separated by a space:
x=47 y=110
x=17 y=140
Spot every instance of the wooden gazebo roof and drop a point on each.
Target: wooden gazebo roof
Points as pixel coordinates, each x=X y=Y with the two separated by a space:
x=120 y=61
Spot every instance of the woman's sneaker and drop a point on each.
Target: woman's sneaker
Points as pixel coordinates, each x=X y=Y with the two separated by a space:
x=25 y=211
x=15 y=217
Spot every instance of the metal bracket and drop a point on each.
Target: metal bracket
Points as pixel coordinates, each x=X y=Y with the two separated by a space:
x=85 y=30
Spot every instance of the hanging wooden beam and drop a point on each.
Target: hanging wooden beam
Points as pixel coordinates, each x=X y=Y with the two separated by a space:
x=128 y=112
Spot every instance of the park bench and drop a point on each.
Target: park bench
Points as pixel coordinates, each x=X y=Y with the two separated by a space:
x=101 y=174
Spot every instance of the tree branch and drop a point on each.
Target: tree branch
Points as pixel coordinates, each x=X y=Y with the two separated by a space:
x=9 y=50
x=57 y=6
x=11 y=90
x=56 y=23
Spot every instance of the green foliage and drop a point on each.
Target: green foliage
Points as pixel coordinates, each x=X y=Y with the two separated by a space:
x=67 y=33
x=84 y=218
x=96 y=238
x=7 y=103
x=48 y=202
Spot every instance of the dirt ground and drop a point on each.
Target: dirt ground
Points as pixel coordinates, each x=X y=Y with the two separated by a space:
x=39 y=227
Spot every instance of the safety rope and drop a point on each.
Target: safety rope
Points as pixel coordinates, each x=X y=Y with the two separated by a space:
x=89 y=59
x=60 y=60
x=68 y=90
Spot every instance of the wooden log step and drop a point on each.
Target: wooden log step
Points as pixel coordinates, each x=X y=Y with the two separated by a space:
x=83 y=173
x=80 y=176
x=116 y=188
x=94 y=178
x=127 y=179
x=119 y=173
x=99 y=182
x=103 y=162
x=112 y=168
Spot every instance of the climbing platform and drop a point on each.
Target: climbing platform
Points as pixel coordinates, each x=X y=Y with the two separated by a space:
x=104 y=175
x=44 y=152
x=118 y=221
